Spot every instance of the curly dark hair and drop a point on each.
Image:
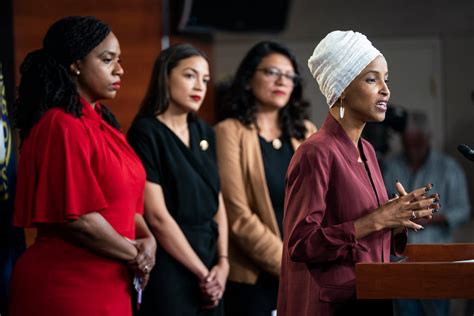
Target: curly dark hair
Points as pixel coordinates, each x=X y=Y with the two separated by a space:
x=45 y=79
x=157 y=97
x=239 y=102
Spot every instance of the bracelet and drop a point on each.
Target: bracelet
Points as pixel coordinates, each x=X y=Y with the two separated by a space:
x=226 y=257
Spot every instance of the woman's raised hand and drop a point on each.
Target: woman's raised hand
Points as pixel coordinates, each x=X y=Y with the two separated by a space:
x=406 y=209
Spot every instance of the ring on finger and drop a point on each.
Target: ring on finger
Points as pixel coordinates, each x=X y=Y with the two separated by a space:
x=146 y=269
x=413 y=215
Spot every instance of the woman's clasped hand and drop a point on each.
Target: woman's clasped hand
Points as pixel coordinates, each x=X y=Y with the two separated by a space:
x=145 y=259
x=213 y=285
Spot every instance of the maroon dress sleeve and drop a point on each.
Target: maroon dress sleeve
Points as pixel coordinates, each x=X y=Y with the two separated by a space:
x=310 y=239
x=56 y=179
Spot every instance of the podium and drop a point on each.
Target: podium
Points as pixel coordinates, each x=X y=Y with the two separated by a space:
x=430 y=272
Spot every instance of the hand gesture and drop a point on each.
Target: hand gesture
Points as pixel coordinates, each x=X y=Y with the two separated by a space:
x=403 y=211
x=422 y=220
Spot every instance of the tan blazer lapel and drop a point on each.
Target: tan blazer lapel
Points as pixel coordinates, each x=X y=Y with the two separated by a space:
x=258 y=180
x=258 y=193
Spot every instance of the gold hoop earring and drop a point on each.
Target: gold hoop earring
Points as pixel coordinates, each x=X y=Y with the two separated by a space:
x=341 y=110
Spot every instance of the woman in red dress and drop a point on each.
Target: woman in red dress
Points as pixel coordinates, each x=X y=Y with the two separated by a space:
x=78 y=182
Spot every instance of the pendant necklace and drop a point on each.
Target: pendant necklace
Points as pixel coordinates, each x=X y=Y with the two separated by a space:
x=276 y=143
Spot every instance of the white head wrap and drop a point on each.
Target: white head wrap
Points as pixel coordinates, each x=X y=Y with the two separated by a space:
x=338 y=59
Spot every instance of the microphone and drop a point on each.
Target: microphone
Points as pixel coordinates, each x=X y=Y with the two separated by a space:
x=466 y=151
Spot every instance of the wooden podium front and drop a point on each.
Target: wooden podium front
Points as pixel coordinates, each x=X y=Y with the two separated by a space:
x=428 y=272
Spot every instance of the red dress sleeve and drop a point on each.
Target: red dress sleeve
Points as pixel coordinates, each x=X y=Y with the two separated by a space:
x=56 y=179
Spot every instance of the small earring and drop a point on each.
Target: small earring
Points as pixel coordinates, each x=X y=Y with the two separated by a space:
x=78 y=72
x=341 y=110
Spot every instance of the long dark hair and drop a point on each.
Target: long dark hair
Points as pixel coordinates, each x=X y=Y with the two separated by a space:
x=157 y=98
x=239 y=102
x=45 y=78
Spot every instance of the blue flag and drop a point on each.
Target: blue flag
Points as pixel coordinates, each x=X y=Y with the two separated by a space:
x=12 y=241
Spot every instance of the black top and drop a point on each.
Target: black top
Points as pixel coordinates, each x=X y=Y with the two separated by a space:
x=188 y=176
x=190 y=183
x=276 y=162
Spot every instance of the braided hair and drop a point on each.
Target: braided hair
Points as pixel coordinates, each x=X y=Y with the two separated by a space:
x=45 y=80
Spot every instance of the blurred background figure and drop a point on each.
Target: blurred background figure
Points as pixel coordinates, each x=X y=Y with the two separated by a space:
x=265 y=121
x=417 y=165
x=381 y=135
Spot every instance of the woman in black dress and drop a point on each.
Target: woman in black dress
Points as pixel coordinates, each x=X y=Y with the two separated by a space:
x=183 y=203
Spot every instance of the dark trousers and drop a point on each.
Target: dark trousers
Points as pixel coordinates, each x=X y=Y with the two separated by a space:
x=251 y=300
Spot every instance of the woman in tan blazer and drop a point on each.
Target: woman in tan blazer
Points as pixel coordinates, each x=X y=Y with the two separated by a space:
x=264 y=123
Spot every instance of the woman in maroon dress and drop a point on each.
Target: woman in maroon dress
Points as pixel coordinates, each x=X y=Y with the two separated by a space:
x=79 y=183
x=337 y=211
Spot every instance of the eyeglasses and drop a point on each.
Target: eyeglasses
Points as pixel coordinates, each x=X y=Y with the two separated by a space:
x=275 y=74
